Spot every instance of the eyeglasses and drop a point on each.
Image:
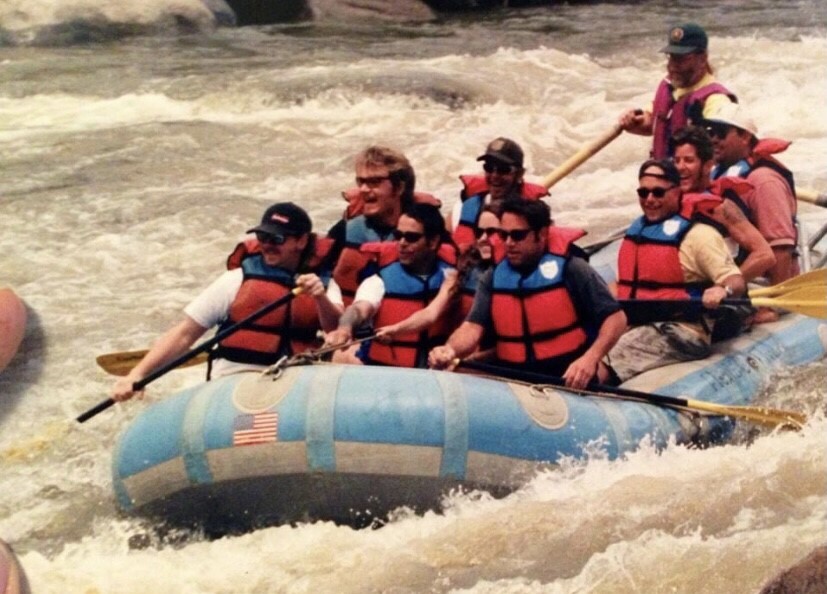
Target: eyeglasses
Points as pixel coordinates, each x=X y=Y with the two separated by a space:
x=718 y=130
x=656 y=192
x=515 y=234
x=371 y=182
x=409 y=236
x=270 y=238
x=490 y=167
x=489 y=231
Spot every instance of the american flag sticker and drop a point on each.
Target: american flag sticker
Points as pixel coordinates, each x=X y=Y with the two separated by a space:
x=252 y=429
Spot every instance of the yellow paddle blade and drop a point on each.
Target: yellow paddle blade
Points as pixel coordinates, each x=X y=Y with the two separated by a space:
x=122 y=363
x=813 y=278
x=763 y=415
x=809 y=301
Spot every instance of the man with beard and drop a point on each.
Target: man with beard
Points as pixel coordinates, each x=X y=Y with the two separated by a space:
x=686 y=96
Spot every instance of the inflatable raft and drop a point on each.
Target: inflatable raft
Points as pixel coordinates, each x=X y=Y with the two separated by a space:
x=12 y=578
x=350 y=443
x=12 y=325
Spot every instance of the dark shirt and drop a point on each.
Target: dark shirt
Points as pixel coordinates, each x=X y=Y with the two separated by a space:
x=591 y=297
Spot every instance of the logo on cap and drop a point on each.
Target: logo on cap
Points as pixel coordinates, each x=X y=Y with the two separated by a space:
x=496 y=145
x=276 y=217
x=676 y=34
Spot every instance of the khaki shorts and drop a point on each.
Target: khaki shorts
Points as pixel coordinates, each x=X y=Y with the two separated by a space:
x=655 y=345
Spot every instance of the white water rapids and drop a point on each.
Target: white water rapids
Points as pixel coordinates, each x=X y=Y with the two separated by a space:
x=130 y=166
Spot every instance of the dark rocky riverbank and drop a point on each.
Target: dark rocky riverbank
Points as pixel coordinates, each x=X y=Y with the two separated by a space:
x=260 y=12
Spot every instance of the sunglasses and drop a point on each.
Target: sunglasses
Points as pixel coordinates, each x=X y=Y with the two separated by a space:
x=718 y=130
x=371 y=182
x=489 y=167
x=515 y=234
x=408 y=236
x=656 y=192
x=489 y=231
x=270 y=238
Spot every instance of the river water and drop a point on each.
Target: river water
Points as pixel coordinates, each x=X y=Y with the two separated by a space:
x=134 y=153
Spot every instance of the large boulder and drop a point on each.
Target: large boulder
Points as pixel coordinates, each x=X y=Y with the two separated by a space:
x=808 y=576
x=265 y=12
x=385 y=10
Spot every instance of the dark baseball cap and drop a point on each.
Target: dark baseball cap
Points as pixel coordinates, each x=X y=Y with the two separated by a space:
x=504 y=150
x=670 y=172
x=284 y=218
x=685 y=39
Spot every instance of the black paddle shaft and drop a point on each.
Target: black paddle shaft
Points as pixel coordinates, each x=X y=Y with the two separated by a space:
x=204 y=346
x=539 y=378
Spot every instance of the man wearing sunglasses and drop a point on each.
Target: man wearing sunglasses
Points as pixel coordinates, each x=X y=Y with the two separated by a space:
x=687 y=95
x=411 y=272
x=502 y=164
x=550 y=312
x=667 y=255
x=286 y=255
x=771 y=206
x=385 y=180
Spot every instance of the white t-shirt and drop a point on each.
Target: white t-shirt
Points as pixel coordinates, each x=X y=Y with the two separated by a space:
x=372 y=290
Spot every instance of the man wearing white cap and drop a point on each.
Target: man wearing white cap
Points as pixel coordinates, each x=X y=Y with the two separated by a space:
x=687 y=95
x=771 y=206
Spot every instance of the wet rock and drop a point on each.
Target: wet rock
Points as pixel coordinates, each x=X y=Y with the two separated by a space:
x=396 y=10
x=264 y=12
x=809 y=576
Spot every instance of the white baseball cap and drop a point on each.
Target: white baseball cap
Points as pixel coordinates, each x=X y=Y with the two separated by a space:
x=733 y=114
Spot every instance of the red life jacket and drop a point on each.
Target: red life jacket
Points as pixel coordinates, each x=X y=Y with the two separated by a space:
x=250 y=246
x=648 y=264
x=406 y=294
x=355 y=205
x=288 y=330
x=669 y=115
x=473 y=194
x=534 y=317
x=355 y=264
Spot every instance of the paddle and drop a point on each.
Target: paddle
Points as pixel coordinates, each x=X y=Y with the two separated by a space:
x=121 y=363
x=202 y=348
x=811 y=196
x=582 y=155
x=592 y=248
x=763 y=415
x=809 y=301
x=812 y=278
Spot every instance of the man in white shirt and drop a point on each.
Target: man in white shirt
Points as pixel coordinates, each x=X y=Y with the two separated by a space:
x=286 y=257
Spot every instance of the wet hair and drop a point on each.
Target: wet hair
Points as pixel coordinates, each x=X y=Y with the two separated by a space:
x=536 y=212
x=431 y=219
x=697 y=137
x=399 y=169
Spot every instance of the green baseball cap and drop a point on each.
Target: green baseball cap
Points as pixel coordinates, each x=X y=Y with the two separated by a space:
x=685 y=39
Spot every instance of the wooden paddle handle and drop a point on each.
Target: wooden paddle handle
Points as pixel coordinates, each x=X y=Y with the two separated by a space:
x=581 y=156
x=811 y=196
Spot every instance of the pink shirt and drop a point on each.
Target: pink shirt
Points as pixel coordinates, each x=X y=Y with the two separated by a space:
x=772 y=205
